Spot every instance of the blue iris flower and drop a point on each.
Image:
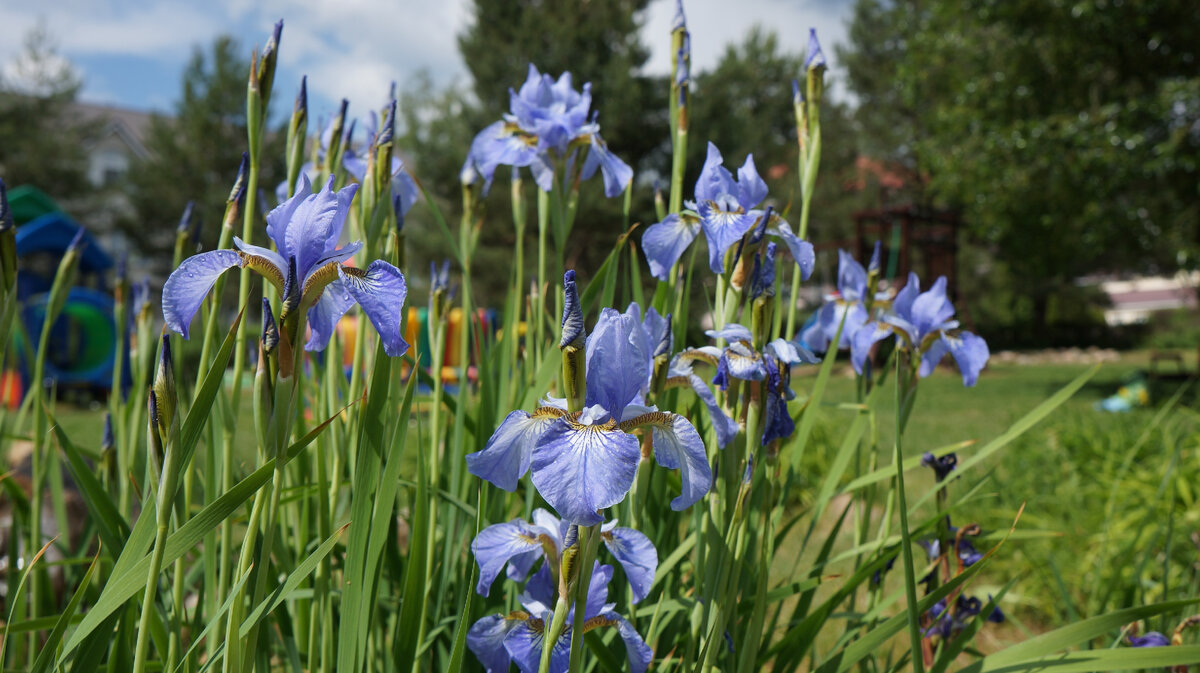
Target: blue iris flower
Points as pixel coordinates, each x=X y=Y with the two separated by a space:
x=923 y=324
x=585 y=461
x=849 y=304
x=405 y=192
x=740 y=360
x=1151 y=639
x=946 y=624
x=500 y=640
x=548 y=121
x=725 y=210
x=308 y=264
x=518 y=544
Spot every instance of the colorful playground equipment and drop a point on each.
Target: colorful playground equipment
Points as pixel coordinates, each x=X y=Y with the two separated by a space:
x=84 y=337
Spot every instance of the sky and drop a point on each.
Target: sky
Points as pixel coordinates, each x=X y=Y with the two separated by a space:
x=131 y=53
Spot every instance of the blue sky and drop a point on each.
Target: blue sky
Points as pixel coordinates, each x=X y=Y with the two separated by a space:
x=132 y=52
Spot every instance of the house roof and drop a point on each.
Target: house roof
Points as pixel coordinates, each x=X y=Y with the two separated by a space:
x=131 y=126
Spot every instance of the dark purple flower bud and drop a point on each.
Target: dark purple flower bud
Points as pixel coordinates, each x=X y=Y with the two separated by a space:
x=873 y=267
x=815 y=57
x=164 y=383
x=107 y=441
x=680 y=20
x=942 y=466
x=122 y=268
x=663 y=347
x=186 y=221
x=995 y=616
x=238 y=193
x=762 y=281
x=1152 y=639
x=270 y=332
x=300 y=108
x=572 y=537
x=266 y=63
x=76 y=242
x=387 y=130
x=572 y=317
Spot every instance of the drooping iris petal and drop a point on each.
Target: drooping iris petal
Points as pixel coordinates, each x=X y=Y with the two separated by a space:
x=580 y=469
x=505 y=458
x=970 y=352
x=486 y=640
x=317 y=224
x=864 y=339
x=524 y=645
x=665 y=242
x=496 y=545
x=777 y=423
x=380 y=291
x=726 y=427
x=724 y=222
x=185 y=290
x=639 y=653
x=617 y=174
x=637 y=556
x=323 y=317
x=617 y=358
x=802 y=251
x=677 y=446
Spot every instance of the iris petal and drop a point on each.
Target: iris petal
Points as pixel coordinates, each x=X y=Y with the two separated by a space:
x=580 y=469
x=752 y=189
x=280 y=219
x=617 y=174
x=266 y=253
x=317 y=224
x=725 y=426
x=323 y=317
x=496 y=545
x=665 y=242
x=617 y=361
x=852 y=277
x=723 y=225
x=639 y=653
x=714 y=179
x=802 y=251
x=931 y=310
x=486 y=640
x=970 y=352
x=380 y=291
x=864 y=339
x=637 y=556
x=337 y=256
x=524 y=644
x=185 y=290
x=505 y=457
x=677 y=446
x=731 y=333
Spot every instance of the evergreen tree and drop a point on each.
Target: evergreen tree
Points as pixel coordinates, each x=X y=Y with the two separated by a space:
x=194 y=155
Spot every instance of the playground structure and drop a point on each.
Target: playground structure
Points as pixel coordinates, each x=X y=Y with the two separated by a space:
x=83 y=339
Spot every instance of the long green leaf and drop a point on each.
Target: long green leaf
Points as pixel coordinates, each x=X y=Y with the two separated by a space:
x=42 y=663
x=306 y=567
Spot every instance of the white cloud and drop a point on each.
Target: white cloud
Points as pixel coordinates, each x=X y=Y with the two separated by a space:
x=354 y=48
